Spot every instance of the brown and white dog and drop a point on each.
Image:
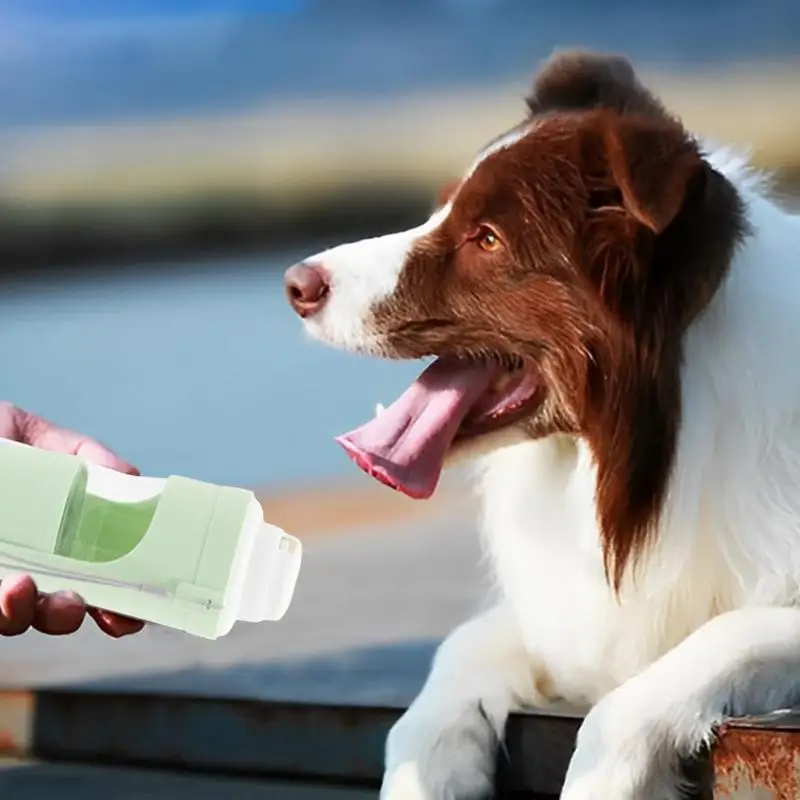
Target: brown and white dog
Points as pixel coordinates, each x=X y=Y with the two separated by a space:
x=615 y=316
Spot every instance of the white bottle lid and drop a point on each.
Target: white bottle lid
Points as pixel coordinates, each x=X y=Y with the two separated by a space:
x=270 y=574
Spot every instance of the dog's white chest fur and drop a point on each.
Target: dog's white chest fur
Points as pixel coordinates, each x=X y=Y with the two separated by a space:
x=542 y=537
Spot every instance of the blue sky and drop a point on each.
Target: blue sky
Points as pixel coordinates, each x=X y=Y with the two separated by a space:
x=92 y=60
x=106 y=9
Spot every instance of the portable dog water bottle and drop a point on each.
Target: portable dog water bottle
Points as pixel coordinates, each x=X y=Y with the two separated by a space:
x=177 y=552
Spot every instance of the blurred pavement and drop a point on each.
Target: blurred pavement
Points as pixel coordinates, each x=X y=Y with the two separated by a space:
x=43 y=781
x=368 y=610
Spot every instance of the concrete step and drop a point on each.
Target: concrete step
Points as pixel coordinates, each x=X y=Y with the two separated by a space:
x=38 y=780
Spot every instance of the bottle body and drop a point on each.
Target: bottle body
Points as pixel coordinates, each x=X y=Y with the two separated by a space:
x=182 y=553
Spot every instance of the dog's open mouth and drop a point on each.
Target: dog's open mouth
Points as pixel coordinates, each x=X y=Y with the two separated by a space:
x=405 y=445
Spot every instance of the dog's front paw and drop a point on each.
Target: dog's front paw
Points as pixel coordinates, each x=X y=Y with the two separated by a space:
x=610 y=778
x=621 y=754
x=440 y=757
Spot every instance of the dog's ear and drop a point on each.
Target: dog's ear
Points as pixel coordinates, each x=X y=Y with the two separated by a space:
x=651 y=163
x=579 y=80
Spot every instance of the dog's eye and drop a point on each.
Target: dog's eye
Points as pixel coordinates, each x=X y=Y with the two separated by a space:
x=488 y=240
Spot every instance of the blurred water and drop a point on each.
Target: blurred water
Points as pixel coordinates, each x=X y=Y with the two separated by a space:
x=202 y=371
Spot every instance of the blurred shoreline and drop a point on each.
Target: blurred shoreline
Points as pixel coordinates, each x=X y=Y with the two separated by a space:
x=76 y=196
x=348 y=506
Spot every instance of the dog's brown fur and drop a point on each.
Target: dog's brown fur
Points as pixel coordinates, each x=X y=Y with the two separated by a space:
x=614 y=234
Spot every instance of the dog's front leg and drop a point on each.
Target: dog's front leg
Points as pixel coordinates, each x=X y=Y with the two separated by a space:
x=445 y=746
x=631 y=743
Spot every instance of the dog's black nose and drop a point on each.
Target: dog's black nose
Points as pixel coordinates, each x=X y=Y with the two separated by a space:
x=307 y=288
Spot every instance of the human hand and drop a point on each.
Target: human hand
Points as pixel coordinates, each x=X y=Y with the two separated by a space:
x=21 y=605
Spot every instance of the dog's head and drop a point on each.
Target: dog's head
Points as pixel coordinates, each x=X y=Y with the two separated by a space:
x=553 y=285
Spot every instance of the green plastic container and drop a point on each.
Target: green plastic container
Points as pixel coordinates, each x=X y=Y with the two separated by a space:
x=182 y=553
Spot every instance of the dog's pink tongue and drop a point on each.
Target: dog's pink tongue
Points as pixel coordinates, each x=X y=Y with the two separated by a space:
x=405 y=446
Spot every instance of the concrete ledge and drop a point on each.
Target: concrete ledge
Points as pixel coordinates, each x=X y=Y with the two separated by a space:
x=314 y=743
x=338 y=745
x=43 y=780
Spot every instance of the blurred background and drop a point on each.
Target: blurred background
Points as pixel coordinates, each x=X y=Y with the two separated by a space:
x=163 y=161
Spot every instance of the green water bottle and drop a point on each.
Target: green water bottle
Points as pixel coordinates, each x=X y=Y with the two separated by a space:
x=178 y=552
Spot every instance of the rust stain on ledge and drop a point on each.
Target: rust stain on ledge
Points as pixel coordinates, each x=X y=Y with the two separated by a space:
x=16 y=720
x=756 y=764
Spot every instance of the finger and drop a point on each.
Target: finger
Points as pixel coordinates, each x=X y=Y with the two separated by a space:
x=17 y=604
x=41 y=433
x=98 y=454
x=115 y=624
x=59 y=613
x=10 y=419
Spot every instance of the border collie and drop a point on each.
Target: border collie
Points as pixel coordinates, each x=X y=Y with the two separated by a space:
x=614 y=312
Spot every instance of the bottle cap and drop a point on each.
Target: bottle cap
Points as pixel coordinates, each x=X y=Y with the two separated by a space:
x=271 y=575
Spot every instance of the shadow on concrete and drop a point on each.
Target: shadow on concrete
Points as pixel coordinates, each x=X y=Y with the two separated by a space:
x=386 y=675
x=45 y=781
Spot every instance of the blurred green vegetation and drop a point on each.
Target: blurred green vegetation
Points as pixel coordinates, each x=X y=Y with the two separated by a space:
x=123 y=191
